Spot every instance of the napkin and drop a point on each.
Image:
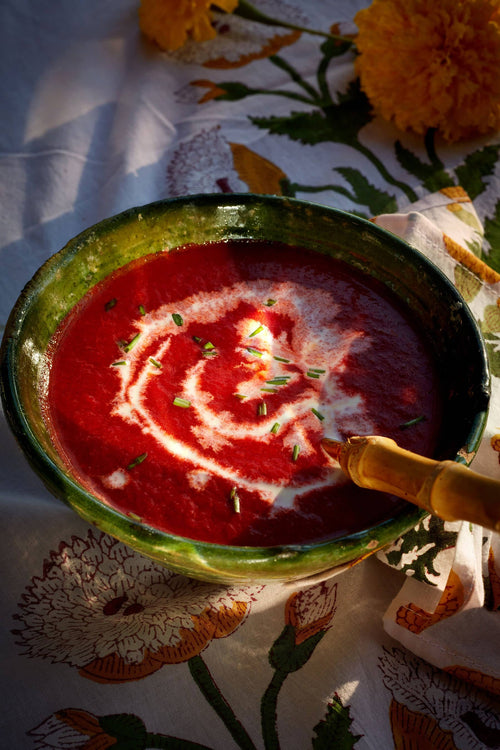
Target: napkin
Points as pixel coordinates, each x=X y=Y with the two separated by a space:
x=448 y=610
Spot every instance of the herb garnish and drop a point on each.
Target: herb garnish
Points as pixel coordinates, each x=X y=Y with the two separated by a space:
x=274 y=429
x=142 y=309
x=318 y=414
x=182 y=402
x=120 y=363
x=177 y=319
x=279 y=380
x=110 y=304
x=137 y=460
x=282 y=359
x=270 y=302
x=255 y=352
x=235 y=499
x=262 y=409
x=295 y=452
x=155 y=362
x=257 y=330
x=132 y=343
x=412 y=422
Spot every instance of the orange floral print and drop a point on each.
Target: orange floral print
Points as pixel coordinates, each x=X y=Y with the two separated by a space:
x=311 y=610
x=416 y=619
x=470 y=261
x=479 y=679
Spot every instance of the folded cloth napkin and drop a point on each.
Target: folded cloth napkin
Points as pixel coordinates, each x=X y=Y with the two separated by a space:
x=448 y=610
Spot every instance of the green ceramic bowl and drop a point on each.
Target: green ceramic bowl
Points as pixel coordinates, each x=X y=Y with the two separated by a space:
x=95 y=253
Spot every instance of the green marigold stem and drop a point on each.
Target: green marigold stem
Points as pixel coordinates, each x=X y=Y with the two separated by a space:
x=247 y=10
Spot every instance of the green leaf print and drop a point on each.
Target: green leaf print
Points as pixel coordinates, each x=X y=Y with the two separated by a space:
x=492 y=236
x=467 y=283
x=476 y=167
x=334 y=730
x=423 y=543
x=432 y=175
x=366 y=194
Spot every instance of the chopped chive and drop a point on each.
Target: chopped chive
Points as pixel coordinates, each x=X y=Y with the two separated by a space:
x=241 y=396
x=110 y=304
x=235 y=499
x=412 y=422
x=197 y=339
x=119 y=363
x=315 y=369
x=269 y=390
x=256 y=352
x=295 y=452
x=177 y=319
x=155 y=362
x=132 y=343
x=282 y=359
x=142 y=309
x=257 y=330
x=208 y=346
x=279 y=380
x=182 y=402
x=137 y=460
x=318 y=414
x=274 y=429
x=312 y=374
x=270 y=302
x=262 y=409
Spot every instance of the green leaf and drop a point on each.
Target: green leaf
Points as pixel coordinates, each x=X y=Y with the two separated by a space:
x=433 y=177
x=475 y=168
x=339 y=122
x=351 y=113
x=467 y=283
x=366 y=194
x=307 y=127
x=333 y=732
x=287 y=656
x=492 y=236
x=492 y=344
x=424 y=542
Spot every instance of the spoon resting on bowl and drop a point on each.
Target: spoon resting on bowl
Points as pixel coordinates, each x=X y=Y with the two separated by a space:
x=444 y=488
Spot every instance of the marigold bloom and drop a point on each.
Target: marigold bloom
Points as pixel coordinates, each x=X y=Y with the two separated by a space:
x=425 y=64
x=169 y=23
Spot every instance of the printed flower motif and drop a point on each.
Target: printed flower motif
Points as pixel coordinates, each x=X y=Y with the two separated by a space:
x=432 y=65
x=215 y=172
x=239 y=41
x=311 y=610
x=72 y=729
x=170 y=23
x=431 y=709
x=416 y=619
x=117 y=616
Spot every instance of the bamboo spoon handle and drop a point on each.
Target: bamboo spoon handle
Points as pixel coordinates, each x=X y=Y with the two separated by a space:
x=445 y=488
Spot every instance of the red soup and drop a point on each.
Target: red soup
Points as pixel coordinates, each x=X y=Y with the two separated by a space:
x=192 y=389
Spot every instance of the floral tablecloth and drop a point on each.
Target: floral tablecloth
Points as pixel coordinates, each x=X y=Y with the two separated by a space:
x=100 y=646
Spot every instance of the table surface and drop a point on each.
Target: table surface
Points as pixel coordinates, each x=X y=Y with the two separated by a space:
x=103 y=648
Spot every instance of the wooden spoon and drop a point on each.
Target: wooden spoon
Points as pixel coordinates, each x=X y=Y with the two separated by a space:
x=444 y=488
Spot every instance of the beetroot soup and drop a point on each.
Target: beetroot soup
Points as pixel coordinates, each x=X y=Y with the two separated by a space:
x=192 y=388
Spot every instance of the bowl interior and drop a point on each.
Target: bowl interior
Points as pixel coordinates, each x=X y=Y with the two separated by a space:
x=94 y=254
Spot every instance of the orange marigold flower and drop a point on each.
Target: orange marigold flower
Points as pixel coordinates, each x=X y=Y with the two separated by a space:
x=427 y=64
x=169 y=23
